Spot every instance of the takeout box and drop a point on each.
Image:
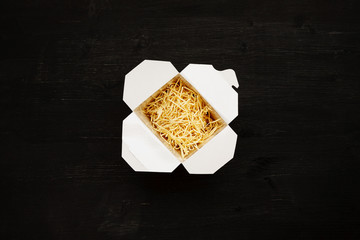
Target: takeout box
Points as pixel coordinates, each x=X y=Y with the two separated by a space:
x=145 y=151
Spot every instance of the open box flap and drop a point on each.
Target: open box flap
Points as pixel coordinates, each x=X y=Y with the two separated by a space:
x=214 y=154
x=131 y=159
x=148 y=151
x=215 y=87
x=145 y=79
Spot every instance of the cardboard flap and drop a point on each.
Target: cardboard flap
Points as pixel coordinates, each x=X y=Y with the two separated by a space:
x=230 y=76
x=145 y=147
x=215 y=87
x=213 y=155
x=131 y=159
x=145 y=79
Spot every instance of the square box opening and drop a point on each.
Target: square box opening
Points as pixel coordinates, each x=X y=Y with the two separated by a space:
x=180 y=117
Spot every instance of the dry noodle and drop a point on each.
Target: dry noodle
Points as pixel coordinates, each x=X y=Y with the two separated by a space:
x=181 y=117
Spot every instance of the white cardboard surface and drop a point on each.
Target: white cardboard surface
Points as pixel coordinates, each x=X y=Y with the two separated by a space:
x=230 y=76
x=145 y=79
x=216 y=89
x=143 y=151
x=131 y=159
x=214 y=154
x=146 y=147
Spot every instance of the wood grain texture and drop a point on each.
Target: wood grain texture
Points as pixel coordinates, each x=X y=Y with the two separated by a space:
x=295 y=170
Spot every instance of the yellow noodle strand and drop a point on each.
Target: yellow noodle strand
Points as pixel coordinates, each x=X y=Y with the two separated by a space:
x=181 y=117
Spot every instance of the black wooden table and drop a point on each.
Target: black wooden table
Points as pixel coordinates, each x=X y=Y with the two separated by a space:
x=295 y=174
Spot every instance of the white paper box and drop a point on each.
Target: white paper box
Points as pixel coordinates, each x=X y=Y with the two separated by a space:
x=143 y=150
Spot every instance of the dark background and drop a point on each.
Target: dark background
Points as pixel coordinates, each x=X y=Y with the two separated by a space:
x=295 y=174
